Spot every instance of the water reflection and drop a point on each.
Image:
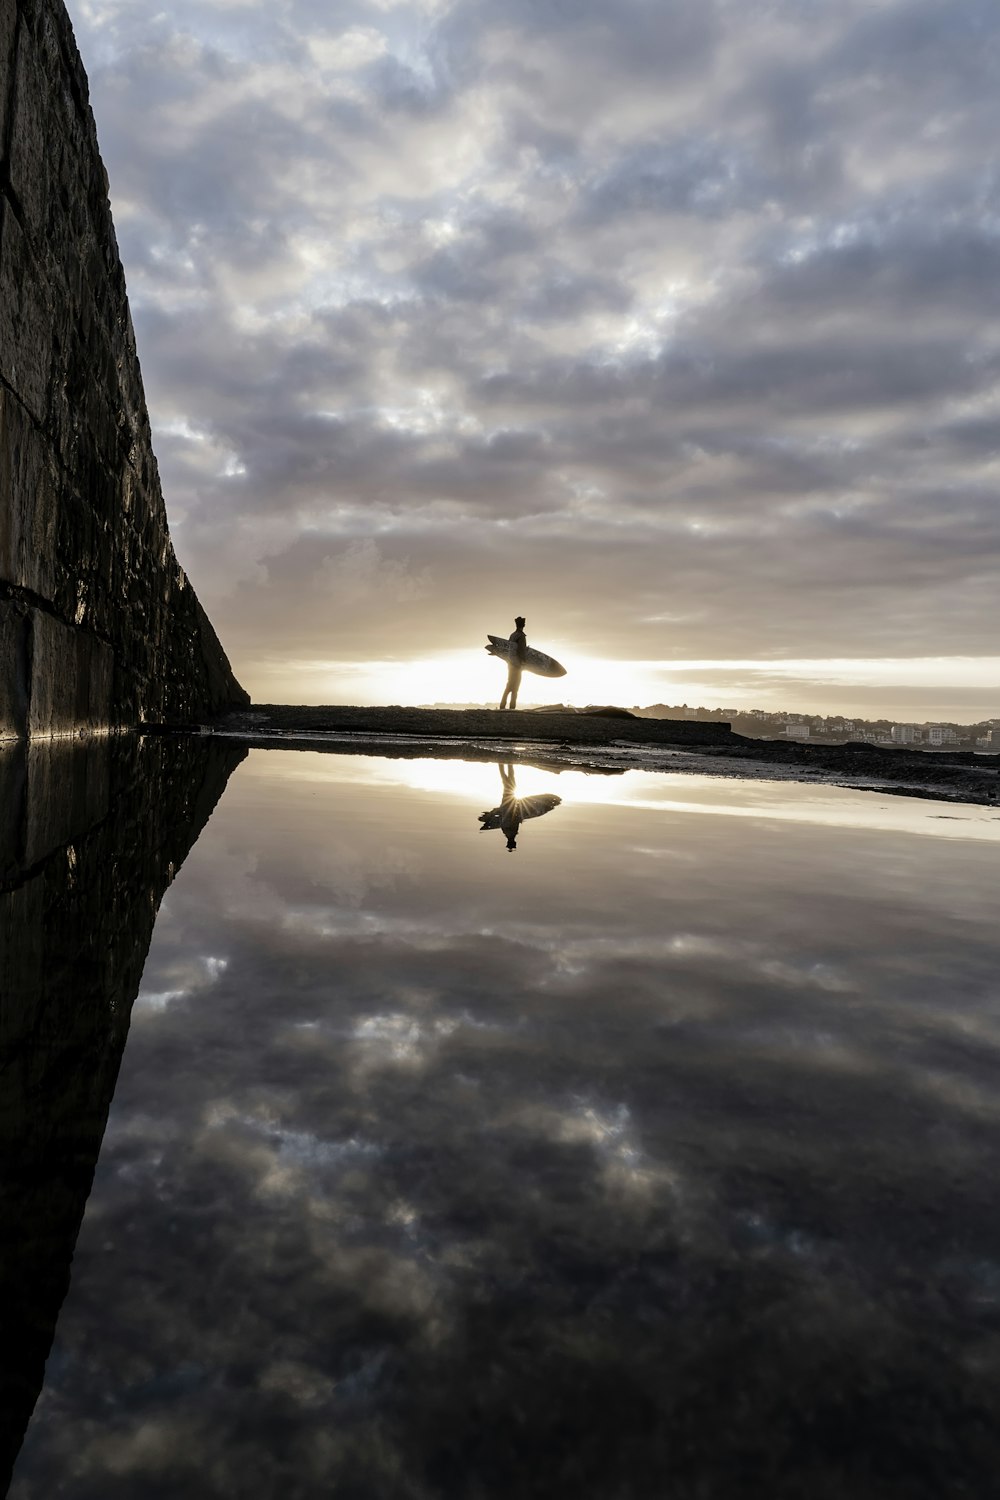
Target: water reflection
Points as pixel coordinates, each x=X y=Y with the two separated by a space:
x=660 y=1164
x=92 y=835
x=515 y=810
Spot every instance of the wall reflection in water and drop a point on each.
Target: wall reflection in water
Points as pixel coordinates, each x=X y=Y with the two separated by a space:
x=92 y=834
x=660 y=1161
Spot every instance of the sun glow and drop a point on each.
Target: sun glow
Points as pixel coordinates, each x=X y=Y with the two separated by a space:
x=660 y=794
x=468 y=676
x=958 y=688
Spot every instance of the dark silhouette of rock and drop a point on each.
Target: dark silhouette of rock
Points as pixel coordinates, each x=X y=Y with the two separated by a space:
x=474 y=724
x=98 y=623
x=95 y=831
x=608 y=711
x=595 y=710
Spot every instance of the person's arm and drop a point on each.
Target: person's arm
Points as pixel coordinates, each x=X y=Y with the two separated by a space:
x=520 y=644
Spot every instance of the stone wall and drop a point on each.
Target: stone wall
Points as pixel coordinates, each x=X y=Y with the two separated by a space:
x=99 y=626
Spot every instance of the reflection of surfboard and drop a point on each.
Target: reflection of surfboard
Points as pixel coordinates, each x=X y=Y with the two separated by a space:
x=536 y=805
x=519 y=810
x=535 y=661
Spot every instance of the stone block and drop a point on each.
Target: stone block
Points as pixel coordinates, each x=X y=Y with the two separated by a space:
x=27 y=501
x=32 y=129
x=72 y=673
x=8 y=27
x=25 y=320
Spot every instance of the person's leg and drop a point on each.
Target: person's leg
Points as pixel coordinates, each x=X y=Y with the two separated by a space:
x=516 y=680
x=512 y=675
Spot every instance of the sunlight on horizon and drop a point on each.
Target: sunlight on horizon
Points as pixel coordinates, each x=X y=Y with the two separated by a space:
x=467 y=676
x=961 y=688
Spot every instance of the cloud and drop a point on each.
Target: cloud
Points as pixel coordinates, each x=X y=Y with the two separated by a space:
x=698 y=299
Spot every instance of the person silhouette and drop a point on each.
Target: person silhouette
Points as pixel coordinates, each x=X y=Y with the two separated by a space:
x=513 y=809
x=515 y=665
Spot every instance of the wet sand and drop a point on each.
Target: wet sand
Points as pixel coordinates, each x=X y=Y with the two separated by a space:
x=611 y=744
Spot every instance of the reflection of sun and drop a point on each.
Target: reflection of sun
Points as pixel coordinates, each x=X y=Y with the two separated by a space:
x=657 y=794
x=471 y=781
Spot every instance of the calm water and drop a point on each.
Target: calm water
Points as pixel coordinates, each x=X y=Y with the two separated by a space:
x=654 y=1158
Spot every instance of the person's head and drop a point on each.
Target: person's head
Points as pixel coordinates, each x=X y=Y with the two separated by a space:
x=519 y=621
x=511 y=844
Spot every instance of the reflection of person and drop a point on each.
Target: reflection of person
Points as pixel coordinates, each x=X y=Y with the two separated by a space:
x=515 y=665
x=513 y=810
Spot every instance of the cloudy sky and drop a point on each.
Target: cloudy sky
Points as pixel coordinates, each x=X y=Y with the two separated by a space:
x=670 y=324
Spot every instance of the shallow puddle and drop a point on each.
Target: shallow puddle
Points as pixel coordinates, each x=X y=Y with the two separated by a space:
x=653 y=1156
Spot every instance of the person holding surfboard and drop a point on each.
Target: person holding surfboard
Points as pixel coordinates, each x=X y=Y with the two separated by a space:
x=515 y=665
x=520 y=657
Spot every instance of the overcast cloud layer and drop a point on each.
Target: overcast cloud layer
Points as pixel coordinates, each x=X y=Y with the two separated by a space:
x=671 y=324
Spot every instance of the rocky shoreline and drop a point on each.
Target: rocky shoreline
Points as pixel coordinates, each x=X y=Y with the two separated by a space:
x=611 y=743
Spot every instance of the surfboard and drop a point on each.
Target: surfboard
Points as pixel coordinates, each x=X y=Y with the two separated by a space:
x=535 y=661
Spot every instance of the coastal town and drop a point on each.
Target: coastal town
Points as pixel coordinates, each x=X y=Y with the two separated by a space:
x=759 y=723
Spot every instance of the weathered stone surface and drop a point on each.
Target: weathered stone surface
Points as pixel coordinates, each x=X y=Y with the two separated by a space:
x=25 y=320
x=72 y=673
x=8 y=22
x=30 y=484
x=117 y=636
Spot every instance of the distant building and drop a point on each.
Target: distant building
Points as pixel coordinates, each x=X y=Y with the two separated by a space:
x=796 y=730
x=941 y=734
x=993 y=740
x=906 y=734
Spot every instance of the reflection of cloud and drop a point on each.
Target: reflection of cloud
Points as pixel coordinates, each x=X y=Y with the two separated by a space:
x=157 y=999
x=293 y=1161
x=612 y=1135
x=398 y=1039
x=574 y=957
x=410 y=1205
x=199 y=974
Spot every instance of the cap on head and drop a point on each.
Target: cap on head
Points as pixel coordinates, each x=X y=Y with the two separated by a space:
x=519 y=621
